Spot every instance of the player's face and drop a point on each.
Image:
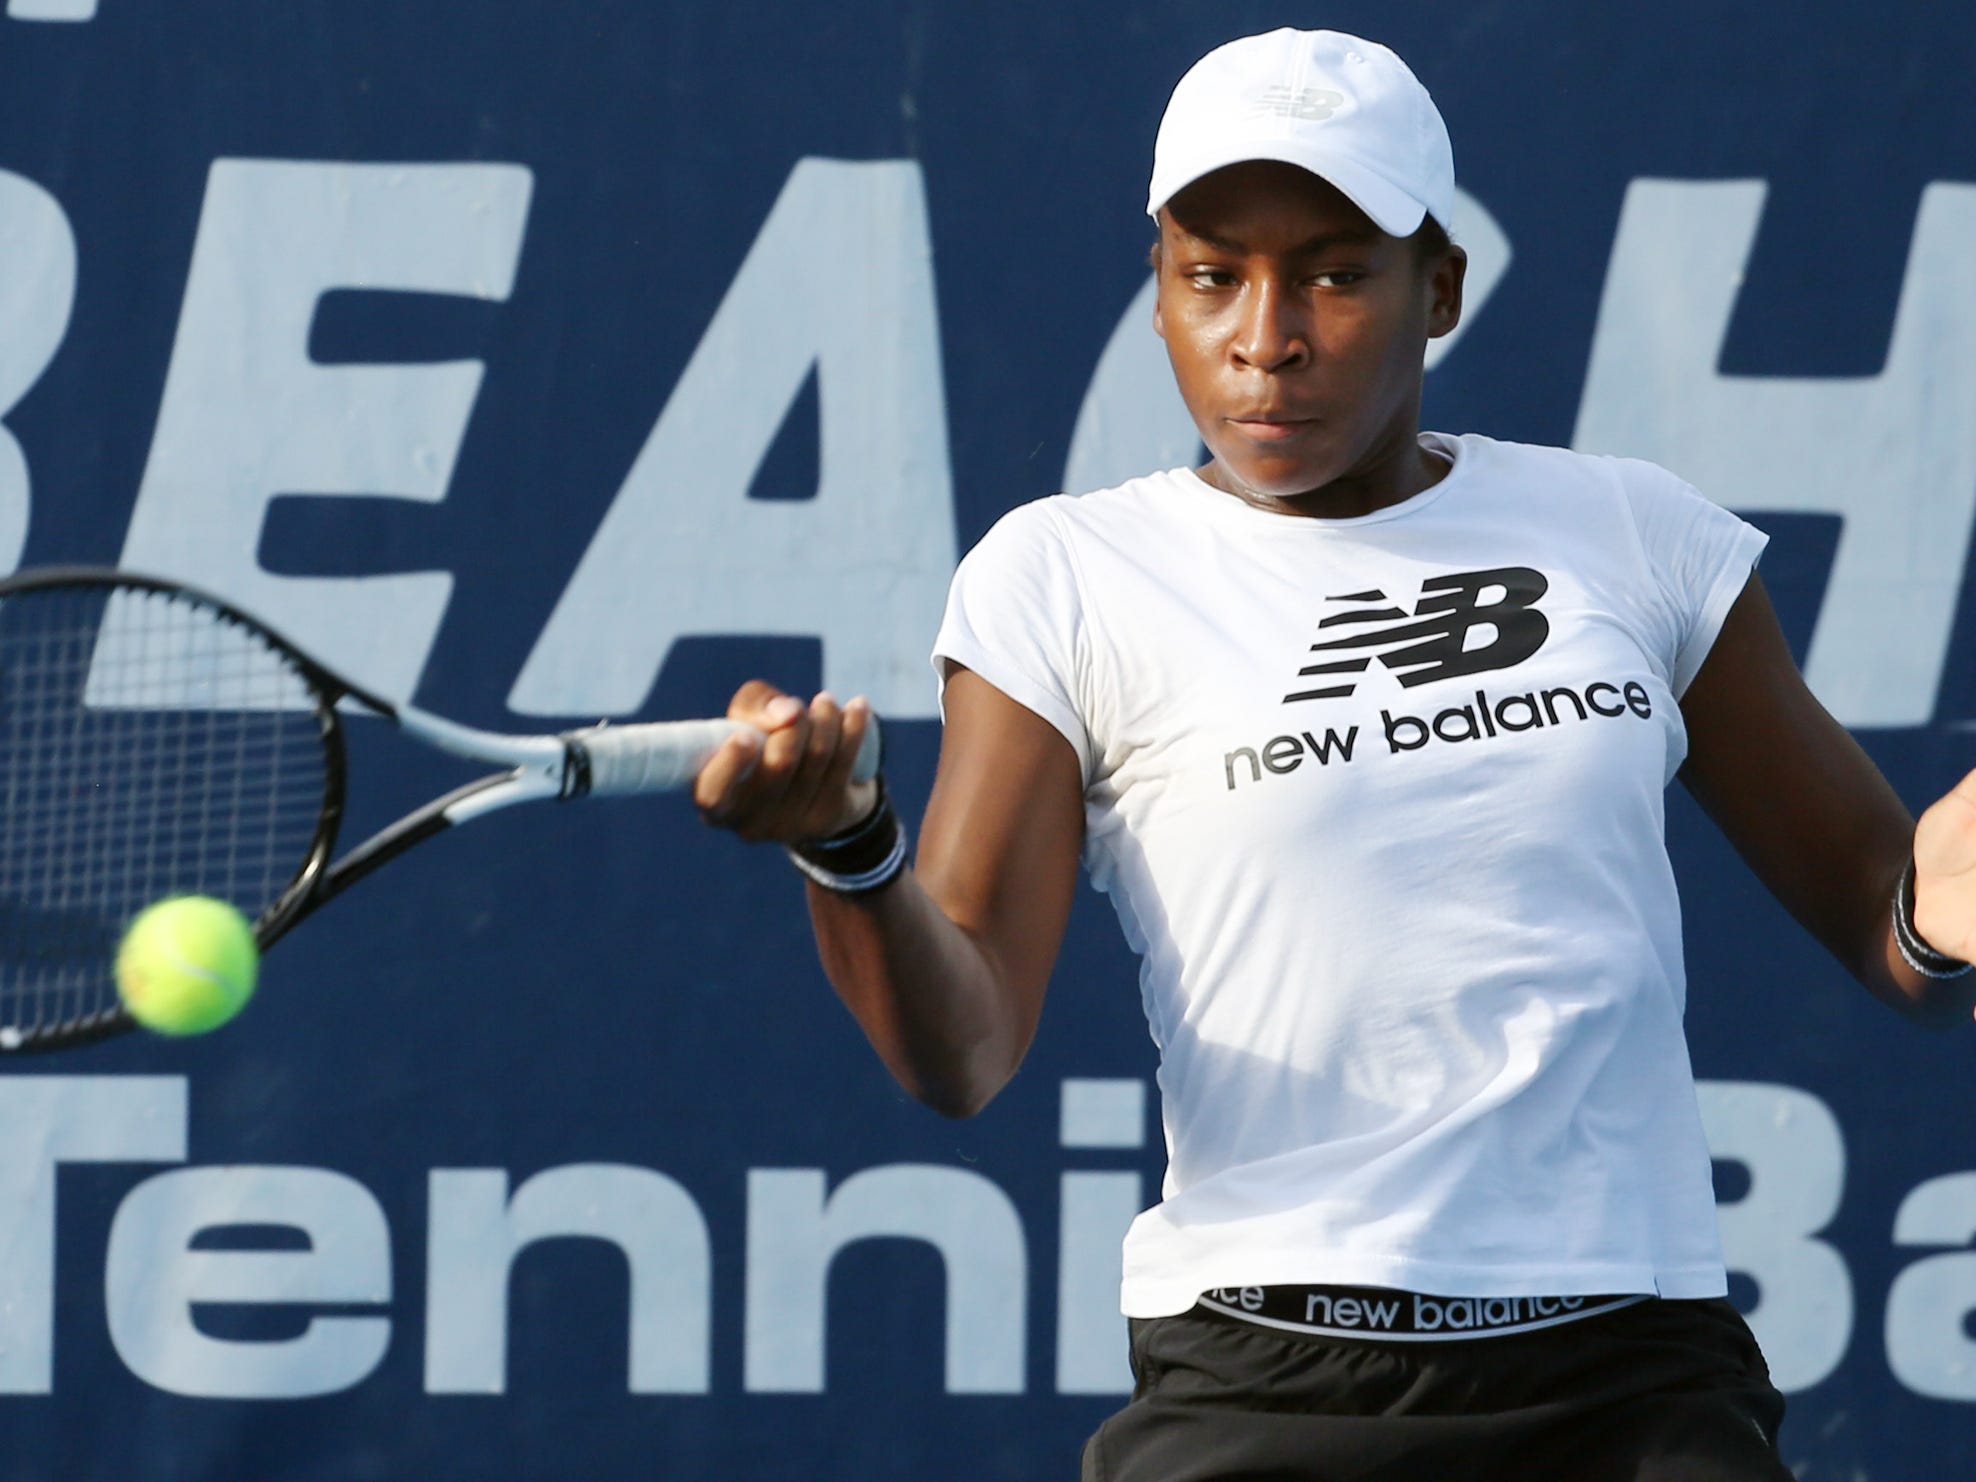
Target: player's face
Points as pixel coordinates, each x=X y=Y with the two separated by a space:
x=1297 y=331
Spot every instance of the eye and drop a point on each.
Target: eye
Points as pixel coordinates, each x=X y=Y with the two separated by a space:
x=1337 y=277
x=1210 y=277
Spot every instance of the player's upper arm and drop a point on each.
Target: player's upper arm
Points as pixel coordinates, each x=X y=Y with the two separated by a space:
x=1801 y=802
x=1003 y=829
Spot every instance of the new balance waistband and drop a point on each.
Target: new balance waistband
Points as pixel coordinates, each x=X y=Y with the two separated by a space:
x=1408 y=1317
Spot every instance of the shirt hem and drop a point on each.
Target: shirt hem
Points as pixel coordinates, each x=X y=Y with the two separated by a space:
x=1722 y=594
x=1019 y=687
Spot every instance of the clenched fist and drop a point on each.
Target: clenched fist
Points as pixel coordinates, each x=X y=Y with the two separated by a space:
x=789 y=779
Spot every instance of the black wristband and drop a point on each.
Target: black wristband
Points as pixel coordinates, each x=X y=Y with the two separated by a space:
x=867 y=856
x=1923 y=958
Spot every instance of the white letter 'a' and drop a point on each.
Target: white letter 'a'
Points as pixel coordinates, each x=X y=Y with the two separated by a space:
x=841 y=278
x=246 y=416
x=1895 y=454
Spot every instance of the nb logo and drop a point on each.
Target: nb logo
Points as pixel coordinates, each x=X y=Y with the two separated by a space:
x=1450 y=632
x=1313 y=103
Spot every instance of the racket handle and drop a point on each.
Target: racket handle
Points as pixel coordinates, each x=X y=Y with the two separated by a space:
x=666 y=755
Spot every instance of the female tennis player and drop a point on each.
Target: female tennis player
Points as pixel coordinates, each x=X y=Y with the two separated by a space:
x=1366 y=733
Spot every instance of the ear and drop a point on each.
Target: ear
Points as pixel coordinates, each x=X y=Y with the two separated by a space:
x=1159 y=319
x=1444 y=282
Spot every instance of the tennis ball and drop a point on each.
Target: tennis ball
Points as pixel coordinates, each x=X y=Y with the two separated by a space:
x=187 y=965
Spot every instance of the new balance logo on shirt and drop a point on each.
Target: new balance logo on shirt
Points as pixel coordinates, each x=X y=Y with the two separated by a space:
x=1461 y=624
x=1432 y=642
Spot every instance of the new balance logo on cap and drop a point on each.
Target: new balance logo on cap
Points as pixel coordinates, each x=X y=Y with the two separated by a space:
x=1313 y=103
x=1451 y=632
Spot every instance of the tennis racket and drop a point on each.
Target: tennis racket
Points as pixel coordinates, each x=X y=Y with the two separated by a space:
x=157 y=741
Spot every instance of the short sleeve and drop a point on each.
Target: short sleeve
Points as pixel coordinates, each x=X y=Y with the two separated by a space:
x=1015 y=616
x=1700 y=556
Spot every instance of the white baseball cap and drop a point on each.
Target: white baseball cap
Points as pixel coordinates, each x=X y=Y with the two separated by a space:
x=1347 y=110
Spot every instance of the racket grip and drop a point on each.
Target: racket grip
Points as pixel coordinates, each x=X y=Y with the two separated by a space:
x=666 y=755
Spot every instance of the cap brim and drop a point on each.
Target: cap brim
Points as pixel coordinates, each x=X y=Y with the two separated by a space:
x=1392 y=210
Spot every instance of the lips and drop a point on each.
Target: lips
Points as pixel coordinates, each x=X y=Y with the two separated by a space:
x=1273 y=426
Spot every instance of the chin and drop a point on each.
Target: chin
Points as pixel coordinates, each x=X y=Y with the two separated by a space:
x=1285 y=470
x=1278 y=481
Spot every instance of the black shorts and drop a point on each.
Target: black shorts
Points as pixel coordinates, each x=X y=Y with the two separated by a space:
x=1658 y=1391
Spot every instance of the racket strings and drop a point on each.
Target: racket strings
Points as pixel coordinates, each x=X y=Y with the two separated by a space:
x=149 y=746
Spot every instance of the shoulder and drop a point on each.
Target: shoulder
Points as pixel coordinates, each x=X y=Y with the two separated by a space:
x=1022 y=544
x=1643 y=494
x=1501 y=458
x=1037 y=522
x=1051 y=527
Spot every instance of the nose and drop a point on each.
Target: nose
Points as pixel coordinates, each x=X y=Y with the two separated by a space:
x=1272 y=335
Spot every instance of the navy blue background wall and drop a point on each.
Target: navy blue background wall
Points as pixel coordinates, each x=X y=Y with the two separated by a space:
x=425 y=328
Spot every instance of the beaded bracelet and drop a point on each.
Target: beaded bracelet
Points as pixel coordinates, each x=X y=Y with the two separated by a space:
x=867 y=856
x=1923 y=958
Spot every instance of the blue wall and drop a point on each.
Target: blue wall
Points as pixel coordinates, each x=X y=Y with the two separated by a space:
x=263 y=264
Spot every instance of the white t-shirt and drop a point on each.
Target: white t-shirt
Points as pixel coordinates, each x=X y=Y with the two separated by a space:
x=1379 y=802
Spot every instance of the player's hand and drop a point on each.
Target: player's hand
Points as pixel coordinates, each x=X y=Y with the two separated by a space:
x=789 y=778
x=1945 y=872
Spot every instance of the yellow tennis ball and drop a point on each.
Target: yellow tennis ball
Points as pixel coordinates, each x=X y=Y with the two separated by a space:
x=187 y=965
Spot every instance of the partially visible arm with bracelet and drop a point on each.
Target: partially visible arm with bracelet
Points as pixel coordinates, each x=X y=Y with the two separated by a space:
x=1811 y=814
x=944 y=964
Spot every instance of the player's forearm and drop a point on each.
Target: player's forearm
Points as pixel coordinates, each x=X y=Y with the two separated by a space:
x=939 y=1009
x=1852 y=913
x=945 y=967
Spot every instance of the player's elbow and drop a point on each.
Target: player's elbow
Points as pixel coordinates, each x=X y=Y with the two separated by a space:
x=956 y=1095
x=955 y=1106
x=958 y=1104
